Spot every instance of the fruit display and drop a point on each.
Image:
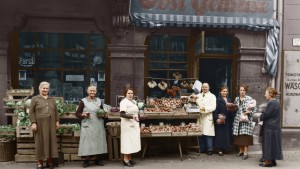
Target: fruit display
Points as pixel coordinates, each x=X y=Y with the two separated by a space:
x=169 y=130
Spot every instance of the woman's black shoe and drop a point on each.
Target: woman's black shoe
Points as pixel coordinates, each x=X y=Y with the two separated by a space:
x=266 y=165
x=240 y=154
x=245 y=157
x=128 y=164
x=132 y=162
x=209 y=153
x=85 y=163
x=50 y=165
x=261 y=160
x=99 y=162
x=274 y=163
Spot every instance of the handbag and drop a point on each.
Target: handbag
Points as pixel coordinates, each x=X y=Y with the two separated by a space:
x=257 y=130
x=244 y=118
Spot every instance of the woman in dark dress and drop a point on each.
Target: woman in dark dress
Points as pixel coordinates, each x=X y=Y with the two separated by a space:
x=271 y=139
x=223 y=118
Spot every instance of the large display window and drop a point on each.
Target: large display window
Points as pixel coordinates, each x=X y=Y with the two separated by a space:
x=69 y=61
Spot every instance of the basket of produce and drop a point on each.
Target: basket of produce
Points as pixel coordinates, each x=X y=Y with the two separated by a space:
x=113 y=128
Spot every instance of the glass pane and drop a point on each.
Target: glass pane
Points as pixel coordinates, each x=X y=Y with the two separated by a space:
x=48 y=59
x=178 y=58
x=97 y=41
x=159 y=43
x=158 y=65
x=53 y=77
x=178 y=43
x=97 y=60
x=75 y=84
x=26 y=79
x=158 y=74
x=75 y=60
x=26 y=40
x=158 y=57
x=218 y=44
x=48 y=40
x=99 y=82
x=178 y=65
x=75 y=41
x=26 y=59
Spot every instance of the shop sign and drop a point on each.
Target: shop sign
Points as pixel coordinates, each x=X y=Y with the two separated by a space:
x=291 y=89
x=227 y=8
x=26 y=61
x=74 y=78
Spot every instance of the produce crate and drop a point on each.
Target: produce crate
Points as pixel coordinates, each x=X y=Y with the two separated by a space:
x=161 y=134
x=179 y=133
x=77 y=133
x=20 y=92
x=114 y=128
x=24 y=131
x=25 y=150
x=25 y=146
x=68 y=115
x=69 y=146
x=194 y=133
x=7 y=149
x=113 y=145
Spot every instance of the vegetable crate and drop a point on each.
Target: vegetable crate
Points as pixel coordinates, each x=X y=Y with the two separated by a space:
x=25 y=150
x=69 y=146
x=7 y=149
x=113 y=146
x=24 y=131
x=114 y=128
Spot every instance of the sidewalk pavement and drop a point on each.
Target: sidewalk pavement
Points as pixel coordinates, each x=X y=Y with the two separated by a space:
x=190 y=161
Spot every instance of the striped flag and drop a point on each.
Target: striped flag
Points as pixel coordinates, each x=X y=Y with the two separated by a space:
x=272 y=50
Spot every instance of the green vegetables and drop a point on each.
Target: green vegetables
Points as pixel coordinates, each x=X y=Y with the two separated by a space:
x=68 y=128
x=100 y=113
x=23 y=118
x=7 y=132
x=65 y=108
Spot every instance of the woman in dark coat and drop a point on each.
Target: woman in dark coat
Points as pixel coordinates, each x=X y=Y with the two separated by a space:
x=271 y=139
x=223 y=119
x=44 y=118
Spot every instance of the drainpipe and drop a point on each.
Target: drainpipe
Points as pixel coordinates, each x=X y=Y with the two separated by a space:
x=279 y=63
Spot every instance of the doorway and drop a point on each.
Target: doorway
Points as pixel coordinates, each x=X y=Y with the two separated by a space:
x=216 y=72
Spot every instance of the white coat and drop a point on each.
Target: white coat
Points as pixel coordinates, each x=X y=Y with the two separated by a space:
x=130 y=129
x=208 y=101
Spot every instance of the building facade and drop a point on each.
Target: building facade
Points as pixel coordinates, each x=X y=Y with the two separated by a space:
x=72 y=44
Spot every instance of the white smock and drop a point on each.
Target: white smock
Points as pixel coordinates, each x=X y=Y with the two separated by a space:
x=130 y=129
x=92 y=134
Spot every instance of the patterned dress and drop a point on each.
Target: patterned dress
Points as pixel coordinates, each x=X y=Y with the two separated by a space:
x=243 y=128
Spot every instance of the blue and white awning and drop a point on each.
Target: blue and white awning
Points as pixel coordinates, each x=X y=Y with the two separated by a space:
x=253 y=15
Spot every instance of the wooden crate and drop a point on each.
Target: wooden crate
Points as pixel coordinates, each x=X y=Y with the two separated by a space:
x=69 y=146
x=25 y=158
x=24 y=131
x=113 y=145
x=25 y=146
x=114 y=128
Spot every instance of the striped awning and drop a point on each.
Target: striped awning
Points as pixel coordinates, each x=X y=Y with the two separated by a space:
x=150 y=14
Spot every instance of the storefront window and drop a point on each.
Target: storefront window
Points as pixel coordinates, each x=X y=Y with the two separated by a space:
x=167 y=55
x=69 y=61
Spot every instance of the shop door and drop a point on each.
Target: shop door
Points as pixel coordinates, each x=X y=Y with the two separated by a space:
x=217 y=73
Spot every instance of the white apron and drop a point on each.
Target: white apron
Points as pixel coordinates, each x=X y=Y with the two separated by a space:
x=130 y=129
x=92 y=134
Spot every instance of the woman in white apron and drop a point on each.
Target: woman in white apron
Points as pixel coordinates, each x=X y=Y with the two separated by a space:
x=92 y=135
x=130 y=129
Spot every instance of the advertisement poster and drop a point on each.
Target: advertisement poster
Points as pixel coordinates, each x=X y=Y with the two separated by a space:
x=291 y=90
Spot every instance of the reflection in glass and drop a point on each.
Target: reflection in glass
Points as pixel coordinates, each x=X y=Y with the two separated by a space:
x=76 y=41
x=97 y=41
x=75 y=60
x=48 y=59
x=48 y=40
x=97 y=60
x=26 y=40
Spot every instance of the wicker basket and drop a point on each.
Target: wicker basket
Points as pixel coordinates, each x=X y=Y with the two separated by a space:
x=8 y=150
x=114 y=128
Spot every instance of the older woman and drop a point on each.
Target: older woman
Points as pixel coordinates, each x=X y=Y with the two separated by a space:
x=44 y=120
x=242 y=127
x=130 y=129
x=271 y=141
x=92 y=136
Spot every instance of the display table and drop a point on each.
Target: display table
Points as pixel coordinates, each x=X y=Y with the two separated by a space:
x=149 y=137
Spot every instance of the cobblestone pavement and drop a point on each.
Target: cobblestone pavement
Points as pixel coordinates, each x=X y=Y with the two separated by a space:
x=191 y=161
